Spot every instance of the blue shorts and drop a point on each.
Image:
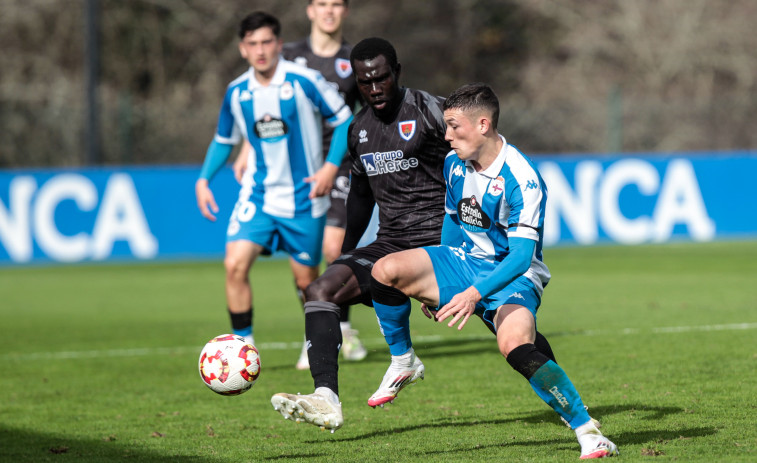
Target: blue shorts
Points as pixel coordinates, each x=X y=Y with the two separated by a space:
x=456 y=271
x=301 y=236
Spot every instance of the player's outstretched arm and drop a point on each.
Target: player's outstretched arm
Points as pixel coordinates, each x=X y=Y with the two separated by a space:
x=514 y=265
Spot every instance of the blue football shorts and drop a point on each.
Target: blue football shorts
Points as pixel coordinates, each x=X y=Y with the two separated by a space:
x=301 y=236
x=456 y=271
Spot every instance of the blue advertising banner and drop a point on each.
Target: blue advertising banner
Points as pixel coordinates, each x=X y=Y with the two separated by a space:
x=650 y=198
x=110 y=214
x=145 y=213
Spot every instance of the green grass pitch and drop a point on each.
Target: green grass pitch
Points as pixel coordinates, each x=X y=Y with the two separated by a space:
x=98 y=363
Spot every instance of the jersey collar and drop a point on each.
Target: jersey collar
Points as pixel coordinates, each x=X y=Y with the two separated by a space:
x=278 y=76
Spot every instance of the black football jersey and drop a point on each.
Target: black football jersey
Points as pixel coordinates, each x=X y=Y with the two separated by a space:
x=335 y=69
x=403 y=161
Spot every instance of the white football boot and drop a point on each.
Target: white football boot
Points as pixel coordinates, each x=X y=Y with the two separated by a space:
x=586 y=407
x=303 y=363
x=352 y=349
x=321 y=408
x=404 y=370
x=593 y=443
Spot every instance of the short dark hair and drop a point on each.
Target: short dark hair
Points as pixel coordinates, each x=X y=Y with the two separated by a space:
x=371 y=48
x=346 y=2
x=474 y=96
x=258 y=19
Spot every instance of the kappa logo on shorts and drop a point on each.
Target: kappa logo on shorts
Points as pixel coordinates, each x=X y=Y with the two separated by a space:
x=343 y=67
x=406 y=129
x=304 y=256
x=516 y=296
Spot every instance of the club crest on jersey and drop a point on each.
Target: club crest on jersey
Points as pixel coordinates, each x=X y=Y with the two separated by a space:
x=286 y=92
x=343 y=67
x=472 y=216
x=406 y=129
x=497 y=186
x=269 y=128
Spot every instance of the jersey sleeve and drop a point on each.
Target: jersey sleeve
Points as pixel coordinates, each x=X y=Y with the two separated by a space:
x=328 y=101
x=356 y=166
x=227 y=131
x=450 y=163
x=526 y=199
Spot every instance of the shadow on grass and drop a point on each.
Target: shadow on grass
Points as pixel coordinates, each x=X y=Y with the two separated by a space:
x=548 y=416
x=569 y=442
x=23 y=445
x=565 y=442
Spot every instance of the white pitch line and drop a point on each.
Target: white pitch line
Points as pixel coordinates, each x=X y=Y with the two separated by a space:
x=373 y=342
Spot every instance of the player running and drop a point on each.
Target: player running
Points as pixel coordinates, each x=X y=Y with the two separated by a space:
x=497 y=199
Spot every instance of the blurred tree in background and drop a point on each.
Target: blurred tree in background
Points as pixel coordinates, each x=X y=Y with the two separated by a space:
x=572 y=75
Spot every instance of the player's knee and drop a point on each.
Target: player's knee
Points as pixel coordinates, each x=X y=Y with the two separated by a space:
x=506 y=346
x=331 y=251
x=320 y=290
x=385 y=270
x=302 y=282
x=236 y=268
x=526 y=359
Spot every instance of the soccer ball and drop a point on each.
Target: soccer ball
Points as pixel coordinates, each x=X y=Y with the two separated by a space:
x=229 y=365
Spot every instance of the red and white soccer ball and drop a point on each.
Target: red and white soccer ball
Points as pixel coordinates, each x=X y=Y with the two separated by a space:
x=229 y=365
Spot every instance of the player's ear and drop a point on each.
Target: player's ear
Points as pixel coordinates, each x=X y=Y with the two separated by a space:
x=242 y=50
x=310 y=11
x=397 y=72
x=483 y=125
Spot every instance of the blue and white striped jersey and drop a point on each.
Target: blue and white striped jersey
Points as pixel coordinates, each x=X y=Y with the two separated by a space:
x=507 y=199
x=282 y=122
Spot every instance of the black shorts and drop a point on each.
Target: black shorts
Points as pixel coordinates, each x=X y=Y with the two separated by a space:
x=337 y=214
x=361 y=261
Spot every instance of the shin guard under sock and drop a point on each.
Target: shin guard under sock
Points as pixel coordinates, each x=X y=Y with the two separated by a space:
x=393 y=312
x=542 y=345
x=324 y=338
x=550 y=382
